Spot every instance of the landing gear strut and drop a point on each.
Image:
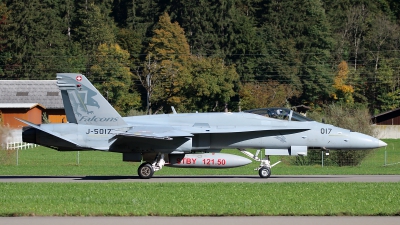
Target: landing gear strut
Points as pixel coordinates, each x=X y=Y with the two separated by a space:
x=264 y=170
x=146 y=170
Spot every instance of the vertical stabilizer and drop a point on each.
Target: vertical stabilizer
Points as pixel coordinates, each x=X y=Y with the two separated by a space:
x=84 y=104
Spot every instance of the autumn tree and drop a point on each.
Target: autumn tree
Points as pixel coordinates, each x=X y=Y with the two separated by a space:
x=266 y=94
x=113 y=77
x=164 y=75
x=343 y=91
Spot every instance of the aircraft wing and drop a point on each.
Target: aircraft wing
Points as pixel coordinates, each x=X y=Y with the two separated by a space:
x=154 y=132
x=168 y=133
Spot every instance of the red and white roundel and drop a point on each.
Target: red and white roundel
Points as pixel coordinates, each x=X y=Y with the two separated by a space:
x=79 y=78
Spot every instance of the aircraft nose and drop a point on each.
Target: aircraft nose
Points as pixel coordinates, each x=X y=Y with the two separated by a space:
x=363 y=141
x=381 y=144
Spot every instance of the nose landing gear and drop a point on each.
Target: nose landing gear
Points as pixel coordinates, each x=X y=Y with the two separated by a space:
x=264 y=170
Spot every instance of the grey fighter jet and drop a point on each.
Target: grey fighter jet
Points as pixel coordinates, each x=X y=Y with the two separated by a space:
x=189 y=140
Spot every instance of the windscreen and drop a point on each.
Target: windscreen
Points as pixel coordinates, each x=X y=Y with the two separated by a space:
x=279 y=113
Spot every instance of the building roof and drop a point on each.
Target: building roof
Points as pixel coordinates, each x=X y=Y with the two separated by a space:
x=19 y=105
x=387 y=112
x=44 y=92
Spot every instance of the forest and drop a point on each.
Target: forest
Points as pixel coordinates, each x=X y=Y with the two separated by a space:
x=210 y=55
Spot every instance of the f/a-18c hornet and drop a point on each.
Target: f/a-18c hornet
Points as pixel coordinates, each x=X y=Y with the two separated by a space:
x=191 y=140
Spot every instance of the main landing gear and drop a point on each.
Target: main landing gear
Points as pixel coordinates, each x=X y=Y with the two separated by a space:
x=264 y=170
x=146 y=170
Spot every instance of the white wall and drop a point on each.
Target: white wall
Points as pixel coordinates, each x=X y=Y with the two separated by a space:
x=387 y=131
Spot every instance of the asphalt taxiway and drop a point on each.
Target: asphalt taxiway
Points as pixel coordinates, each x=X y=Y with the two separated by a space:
x=249 y=179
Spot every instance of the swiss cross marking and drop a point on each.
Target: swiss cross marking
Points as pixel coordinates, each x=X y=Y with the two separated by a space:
x=79 y=78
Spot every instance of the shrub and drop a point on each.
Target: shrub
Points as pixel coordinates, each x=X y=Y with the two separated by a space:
x=6 y=156
x=352 y=117
x=4 y=133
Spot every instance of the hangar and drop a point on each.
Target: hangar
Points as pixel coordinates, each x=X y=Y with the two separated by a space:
x=387 y=124
x=34 y=100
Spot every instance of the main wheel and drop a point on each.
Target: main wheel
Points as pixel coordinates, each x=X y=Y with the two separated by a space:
x=264 y=172
x=145 y=171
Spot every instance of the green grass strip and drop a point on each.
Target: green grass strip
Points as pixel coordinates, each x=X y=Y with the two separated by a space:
x=44 y=161
x=199 y=199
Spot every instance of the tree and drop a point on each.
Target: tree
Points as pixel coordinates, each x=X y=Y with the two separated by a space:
x=4 y=20
x=169 y=53
x=266 y=94
x=213 y=84
x=385 y=88
x=36 y=39
x=115 y=81
x=141 y=16
x=222 y=29
x=303 y=28
x=93 y=28
x=130 y=40
x=343 y=91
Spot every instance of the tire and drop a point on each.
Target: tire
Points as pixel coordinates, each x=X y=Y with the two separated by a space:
x=264 y=172
x=145 y=171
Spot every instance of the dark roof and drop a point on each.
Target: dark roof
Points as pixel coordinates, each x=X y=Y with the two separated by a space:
x=19 y=105
x=384 y=113
x=44 y=92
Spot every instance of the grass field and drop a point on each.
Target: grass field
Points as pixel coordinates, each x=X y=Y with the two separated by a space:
x=199 y=199
x=191 y=199
x=44 y=161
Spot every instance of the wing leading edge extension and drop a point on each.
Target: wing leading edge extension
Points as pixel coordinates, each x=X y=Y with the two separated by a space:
x=153 y=132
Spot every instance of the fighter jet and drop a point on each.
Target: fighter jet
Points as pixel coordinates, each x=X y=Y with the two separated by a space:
x=188 y=140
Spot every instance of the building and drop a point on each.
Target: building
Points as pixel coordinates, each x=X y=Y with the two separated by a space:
x=32 y=100
x=387 y=124
x=391 y=117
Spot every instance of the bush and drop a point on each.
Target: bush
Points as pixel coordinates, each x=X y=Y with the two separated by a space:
x=352 y=117
x=4 y=133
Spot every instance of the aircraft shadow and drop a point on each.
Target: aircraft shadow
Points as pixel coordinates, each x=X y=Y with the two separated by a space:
x=155 y=178
x=183 y=177
x=33 y=176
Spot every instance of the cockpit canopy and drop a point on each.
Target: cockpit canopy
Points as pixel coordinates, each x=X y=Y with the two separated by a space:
x=279 y=113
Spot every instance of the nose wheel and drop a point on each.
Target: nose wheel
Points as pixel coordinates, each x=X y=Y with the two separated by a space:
x=264 y=172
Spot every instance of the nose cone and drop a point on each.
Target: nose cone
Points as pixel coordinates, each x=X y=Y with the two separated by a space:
x=381 y=144
x=363 y=141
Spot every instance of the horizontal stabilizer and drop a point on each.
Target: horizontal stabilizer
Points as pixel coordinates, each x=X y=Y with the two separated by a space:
x=46 y=131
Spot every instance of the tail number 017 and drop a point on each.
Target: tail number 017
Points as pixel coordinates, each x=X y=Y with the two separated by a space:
x=326 y=130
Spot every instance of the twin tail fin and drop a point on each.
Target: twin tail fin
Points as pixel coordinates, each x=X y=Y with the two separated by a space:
x=84 y=104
